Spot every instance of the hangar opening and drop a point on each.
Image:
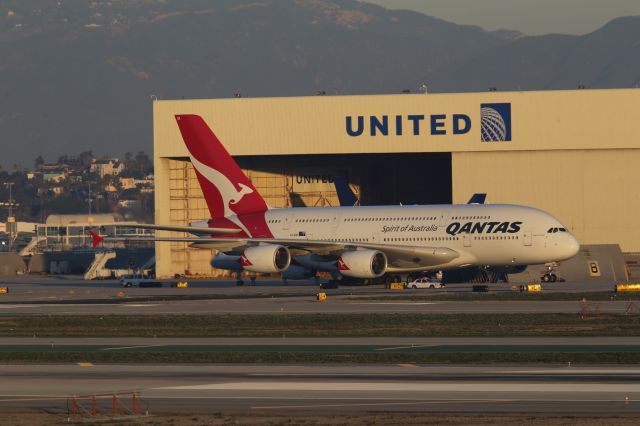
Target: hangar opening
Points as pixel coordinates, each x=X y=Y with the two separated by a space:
x=298 y=181
x=390 y=179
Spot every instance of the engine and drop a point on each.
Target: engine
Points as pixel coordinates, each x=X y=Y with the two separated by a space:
x=297 y=272
x=362 y=263
x=266 y=259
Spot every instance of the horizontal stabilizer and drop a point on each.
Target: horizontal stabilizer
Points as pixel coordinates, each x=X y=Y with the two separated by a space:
x=191 y=229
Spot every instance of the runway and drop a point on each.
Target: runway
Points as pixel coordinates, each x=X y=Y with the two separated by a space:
x=335 y=304
x=317 y=388
x=326 y=344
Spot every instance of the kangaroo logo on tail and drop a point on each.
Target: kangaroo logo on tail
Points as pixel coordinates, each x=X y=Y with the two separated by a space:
x=228 y=192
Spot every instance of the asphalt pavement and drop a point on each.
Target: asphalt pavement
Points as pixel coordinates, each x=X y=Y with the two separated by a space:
x=59 y=295
x=320 y=388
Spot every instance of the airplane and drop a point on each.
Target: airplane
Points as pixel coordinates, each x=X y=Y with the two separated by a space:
x=359 y=242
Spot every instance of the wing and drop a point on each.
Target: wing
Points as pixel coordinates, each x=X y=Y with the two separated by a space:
x=399 y=257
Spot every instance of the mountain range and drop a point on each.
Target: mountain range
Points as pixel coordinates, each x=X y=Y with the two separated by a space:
x=79 y=75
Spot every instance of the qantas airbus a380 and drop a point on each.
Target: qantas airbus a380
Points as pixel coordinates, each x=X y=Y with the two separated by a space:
x=360 y=242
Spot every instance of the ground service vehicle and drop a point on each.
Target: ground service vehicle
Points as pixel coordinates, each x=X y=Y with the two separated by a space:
x=424 y=283
x=139 y=280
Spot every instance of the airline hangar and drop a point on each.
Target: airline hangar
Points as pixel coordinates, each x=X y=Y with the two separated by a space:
x=574 y=154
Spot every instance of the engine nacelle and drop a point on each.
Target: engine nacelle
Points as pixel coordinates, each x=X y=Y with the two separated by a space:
x=266 y=259
x=224 y=261
x=362 y=263
x=297 y=272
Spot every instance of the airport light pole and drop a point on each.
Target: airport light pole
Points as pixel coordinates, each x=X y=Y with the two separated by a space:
x=11 y=222
x=10 y=186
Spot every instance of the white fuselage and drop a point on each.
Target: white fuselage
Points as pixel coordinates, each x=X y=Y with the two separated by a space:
x=483 y=235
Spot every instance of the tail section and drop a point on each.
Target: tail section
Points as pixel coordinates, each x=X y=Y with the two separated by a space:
x=231 y=197
x=96 y=239
x=346 y=197
x=477 y=199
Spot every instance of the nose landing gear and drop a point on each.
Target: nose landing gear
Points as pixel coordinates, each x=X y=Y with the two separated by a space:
x=549 y=276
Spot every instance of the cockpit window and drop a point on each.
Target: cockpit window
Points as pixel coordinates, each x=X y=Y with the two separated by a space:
x=563 y=229
x=554 y=230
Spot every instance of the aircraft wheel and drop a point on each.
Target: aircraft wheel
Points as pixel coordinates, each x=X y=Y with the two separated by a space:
x=239 y=282
x=554 y=278
x=546 y=278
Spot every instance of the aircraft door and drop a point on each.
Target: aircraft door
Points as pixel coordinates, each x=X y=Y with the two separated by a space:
x=466 y=238
x=287 y=221
x=443 y=219
x=528 y=239
x=335 y=223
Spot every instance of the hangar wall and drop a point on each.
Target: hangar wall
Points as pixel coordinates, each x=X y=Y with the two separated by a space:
x=570 y=152
x=596 y=193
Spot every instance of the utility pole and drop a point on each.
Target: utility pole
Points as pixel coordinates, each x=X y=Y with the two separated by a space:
x=90 y=198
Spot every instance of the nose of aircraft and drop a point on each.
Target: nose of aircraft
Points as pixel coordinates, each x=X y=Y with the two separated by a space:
x=572 y=246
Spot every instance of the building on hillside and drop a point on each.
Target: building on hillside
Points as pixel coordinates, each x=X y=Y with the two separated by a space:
x=107 y=167
x=131 y=183
x=573 y=153
x=54 y=176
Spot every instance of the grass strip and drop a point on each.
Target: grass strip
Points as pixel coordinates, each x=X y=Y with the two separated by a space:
x=323 y=358
x=504 y=295
x=321 y=325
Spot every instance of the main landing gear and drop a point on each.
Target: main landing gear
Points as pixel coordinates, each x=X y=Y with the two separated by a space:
x=239 y=281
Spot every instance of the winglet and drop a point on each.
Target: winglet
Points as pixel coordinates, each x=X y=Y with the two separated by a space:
x=97 y=239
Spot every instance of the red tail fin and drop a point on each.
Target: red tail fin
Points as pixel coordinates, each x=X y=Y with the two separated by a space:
x=96 y=239
x=226 y=189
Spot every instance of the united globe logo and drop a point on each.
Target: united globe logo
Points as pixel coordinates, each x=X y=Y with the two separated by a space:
x=495 y=122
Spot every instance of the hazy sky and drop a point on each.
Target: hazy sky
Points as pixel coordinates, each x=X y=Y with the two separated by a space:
x=528 y=16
